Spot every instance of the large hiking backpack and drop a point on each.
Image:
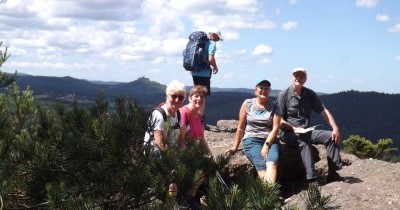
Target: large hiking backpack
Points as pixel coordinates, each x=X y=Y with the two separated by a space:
x=193 y=57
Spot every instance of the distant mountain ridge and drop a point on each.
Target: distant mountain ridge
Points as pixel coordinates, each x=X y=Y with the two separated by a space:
x=369 y=114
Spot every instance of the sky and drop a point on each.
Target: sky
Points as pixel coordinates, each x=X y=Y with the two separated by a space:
x=343 y=44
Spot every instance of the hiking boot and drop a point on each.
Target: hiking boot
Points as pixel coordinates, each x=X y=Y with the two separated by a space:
x=334 y=177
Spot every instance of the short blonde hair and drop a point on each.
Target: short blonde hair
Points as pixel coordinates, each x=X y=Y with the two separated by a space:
x=175 y=86
x=198 y=89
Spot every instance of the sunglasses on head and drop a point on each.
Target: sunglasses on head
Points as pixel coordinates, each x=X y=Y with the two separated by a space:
x=180 y=97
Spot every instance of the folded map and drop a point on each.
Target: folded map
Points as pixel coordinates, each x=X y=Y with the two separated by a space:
x=304 y=130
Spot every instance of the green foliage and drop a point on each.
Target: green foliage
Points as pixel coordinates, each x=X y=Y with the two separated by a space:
x=70 y=155
x=219 y=197
x=5 y=79
x=251 y=194
x=364 y=148
x=262 y=195
x=313 y=199
x=89 y=158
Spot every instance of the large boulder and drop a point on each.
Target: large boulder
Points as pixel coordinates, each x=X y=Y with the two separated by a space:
x=290 y=167
x=227 y=125
x=221 y=138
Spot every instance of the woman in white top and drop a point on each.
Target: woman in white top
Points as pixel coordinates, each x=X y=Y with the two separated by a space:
x=161 y=134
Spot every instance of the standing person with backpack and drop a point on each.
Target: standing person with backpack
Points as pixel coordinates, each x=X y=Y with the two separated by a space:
x=164 y=125
x=199 y=57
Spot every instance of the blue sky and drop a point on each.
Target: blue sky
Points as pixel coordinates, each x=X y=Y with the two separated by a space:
x=344 y=44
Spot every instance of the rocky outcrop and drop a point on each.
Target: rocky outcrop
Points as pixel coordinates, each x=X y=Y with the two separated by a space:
x=227 y=125
x=290 y=165
x=368 y=183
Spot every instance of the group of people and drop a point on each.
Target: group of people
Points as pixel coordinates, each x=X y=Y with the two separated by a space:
x=162 y=133
x=262 y=123
x=181 y=123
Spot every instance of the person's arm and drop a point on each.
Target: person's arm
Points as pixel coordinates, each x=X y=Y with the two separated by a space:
x=271 y=136
x=159 y=140
x=285 y=125
x=182 y=137
x=331 y=121
x=213 y=63
x=239 y=130
x=157 y=129
x=182 y=129
x=212 y=48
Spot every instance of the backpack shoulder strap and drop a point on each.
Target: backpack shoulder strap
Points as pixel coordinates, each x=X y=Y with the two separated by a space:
x=164 y=114
x=162 y=111
x=178 y=115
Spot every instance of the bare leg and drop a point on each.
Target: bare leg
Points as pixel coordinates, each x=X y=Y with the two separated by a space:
x=271 y=173
x=262 y=174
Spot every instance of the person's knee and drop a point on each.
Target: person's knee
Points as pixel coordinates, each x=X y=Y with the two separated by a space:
x=304 y=145
x=272 y=165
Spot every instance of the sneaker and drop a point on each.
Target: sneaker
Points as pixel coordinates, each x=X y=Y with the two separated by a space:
x=334 y=177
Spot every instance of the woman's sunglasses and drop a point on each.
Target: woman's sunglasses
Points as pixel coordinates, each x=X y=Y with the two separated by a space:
x=180 y=97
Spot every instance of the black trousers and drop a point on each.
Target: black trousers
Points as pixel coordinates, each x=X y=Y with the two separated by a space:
x=304 y=143
x=204 y=81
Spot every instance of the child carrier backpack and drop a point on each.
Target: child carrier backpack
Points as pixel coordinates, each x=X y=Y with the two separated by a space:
x=193 y=57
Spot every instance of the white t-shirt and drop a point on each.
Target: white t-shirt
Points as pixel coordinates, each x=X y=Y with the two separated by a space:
x=168 y=128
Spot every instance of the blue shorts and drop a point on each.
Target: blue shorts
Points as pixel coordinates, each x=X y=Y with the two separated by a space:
x=252 y=148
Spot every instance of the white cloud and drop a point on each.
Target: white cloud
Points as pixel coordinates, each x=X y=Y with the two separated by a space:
x=130 y=57
x=262 y=49
x=245 y=5
x=290 y=25
x=382 y=18
x=230 y=35
x=159 y=60
x=229 y=75
x=173 y=47
x=398 y=58
x=395 y=28
x=239 y=52
x=292 y=1
x=265 y=61
x=367 y=3
x=231 y=21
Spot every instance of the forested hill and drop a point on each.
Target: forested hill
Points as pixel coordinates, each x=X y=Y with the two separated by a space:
x=369 y=114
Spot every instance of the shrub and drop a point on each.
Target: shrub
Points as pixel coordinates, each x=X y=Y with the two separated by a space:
x=364 y=148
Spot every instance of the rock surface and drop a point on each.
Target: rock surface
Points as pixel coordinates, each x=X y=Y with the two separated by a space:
x=368 y=183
